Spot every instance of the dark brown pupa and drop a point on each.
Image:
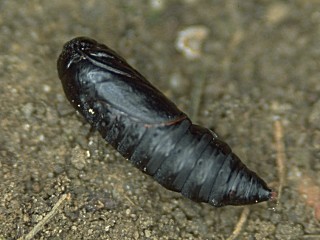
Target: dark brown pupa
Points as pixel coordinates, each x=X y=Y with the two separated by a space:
x=148 y=129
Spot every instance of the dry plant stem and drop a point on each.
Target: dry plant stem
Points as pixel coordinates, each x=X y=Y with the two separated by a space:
x=197 y=96
x=281 y=156
x=311 y=236
x=239 y=226
x=47 y=218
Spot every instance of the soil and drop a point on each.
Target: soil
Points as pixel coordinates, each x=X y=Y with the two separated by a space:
x=257 y=69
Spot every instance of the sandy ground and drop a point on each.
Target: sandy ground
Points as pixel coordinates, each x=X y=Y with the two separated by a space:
x=257 y=77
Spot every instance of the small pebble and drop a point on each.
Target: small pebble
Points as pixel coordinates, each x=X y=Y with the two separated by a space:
x=189 y=41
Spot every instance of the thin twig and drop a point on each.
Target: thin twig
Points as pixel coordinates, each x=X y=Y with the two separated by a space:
x=315 y=236
x=242 y=220
x=197 y=96
x=47 y=218
x=281 y=156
